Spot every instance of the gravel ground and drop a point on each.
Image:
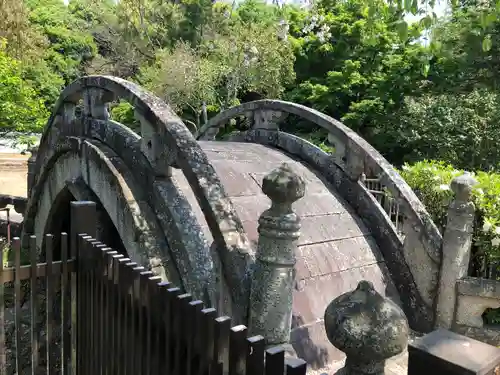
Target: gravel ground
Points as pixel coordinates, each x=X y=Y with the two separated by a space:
x=13 y=172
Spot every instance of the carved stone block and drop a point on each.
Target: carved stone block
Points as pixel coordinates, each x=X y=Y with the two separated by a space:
x=446 y=353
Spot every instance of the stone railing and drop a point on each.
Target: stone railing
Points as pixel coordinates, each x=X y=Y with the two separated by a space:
x=165 y=143
x=474 y=297
x=369 y=328
x=410 y=241
x=462 y=300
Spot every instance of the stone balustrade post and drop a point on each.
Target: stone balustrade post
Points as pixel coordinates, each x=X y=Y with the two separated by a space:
x=273 y=275
x=31 y=169
x=368 y=328
x=456 y=248
x=268 y=119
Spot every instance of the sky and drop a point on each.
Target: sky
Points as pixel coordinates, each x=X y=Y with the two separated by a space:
x=439 y=8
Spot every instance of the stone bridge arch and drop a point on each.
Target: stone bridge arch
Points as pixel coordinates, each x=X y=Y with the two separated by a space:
x=402 y=228
x=172 y=197
x=89 y=154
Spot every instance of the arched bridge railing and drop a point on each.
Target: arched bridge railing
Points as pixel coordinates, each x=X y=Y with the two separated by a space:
x=359 y=172
x=165 y=143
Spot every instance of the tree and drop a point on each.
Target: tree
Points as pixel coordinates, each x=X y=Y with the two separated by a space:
x=183 y=78
x=353 y=67
x=21 y=109
x=70 y=47
x=463 y=58
x=252 y=58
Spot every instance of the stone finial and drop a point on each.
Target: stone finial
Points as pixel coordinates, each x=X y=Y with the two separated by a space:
x=283 y=185
x=273 y=274
x=462 y=186
x=456 y=248
x=367 y=327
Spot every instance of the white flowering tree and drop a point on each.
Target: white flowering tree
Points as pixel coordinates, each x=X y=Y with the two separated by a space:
x=183 y=78
x=252 y=57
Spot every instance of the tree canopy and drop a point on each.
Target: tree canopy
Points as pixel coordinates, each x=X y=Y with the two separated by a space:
x=356 y=60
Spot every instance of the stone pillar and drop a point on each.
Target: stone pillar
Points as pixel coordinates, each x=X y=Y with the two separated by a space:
x=267 y=119
x=368 y=328
x=457 y=240
x=31 y=168
x=273 y=276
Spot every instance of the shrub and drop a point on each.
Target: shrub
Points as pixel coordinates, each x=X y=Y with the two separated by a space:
x=431 y=182
x=123 y=112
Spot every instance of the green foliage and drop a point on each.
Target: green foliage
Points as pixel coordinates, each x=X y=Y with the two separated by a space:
x=460 y=129
x=430 y=180
x=182 y=77
x=123 y=112
x=21 y=109
x=352 y=65
x=464 y=51
x=356 y=60
x=69 y=48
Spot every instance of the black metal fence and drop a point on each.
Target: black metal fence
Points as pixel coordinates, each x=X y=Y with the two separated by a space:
x=101 y=313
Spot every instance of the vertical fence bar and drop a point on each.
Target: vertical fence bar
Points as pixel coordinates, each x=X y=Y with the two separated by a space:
x=49 y=243
x=74 y=306
x=129 y=315
x=207 y=340
x=221 y=344
x=65 y=305
x=275 y=361
x=146 y=321
x=102 y=297
x=137 y=308
x=295 y=366
x=170 y=299
x=160 y=302
x=89 y=253
x=107 y=314
x=114 y=311
x=3 y=364
x=95 y=252
x=179 y=324
x=86 y=317
x=120 y=265
x=16 y=248
x=83 y=313
x=94 y=248
x=142 y=301
x=237 y=350
x=255 y=355
x=152 y=323
x=193 y=336
x=34 y=305
x=146 y=327
x=83 y=220
x=108 y=345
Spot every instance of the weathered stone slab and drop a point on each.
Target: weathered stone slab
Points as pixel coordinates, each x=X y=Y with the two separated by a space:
x=316 y=229
x=335 y=256
x=250 y=207
x=314 y=185
x=313 y=295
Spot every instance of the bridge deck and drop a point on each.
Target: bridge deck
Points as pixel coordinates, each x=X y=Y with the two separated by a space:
x=335 y=252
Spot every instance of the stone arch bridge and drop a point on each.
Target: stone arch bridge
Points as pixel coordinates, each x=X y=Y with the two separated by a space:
x=188 y=205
